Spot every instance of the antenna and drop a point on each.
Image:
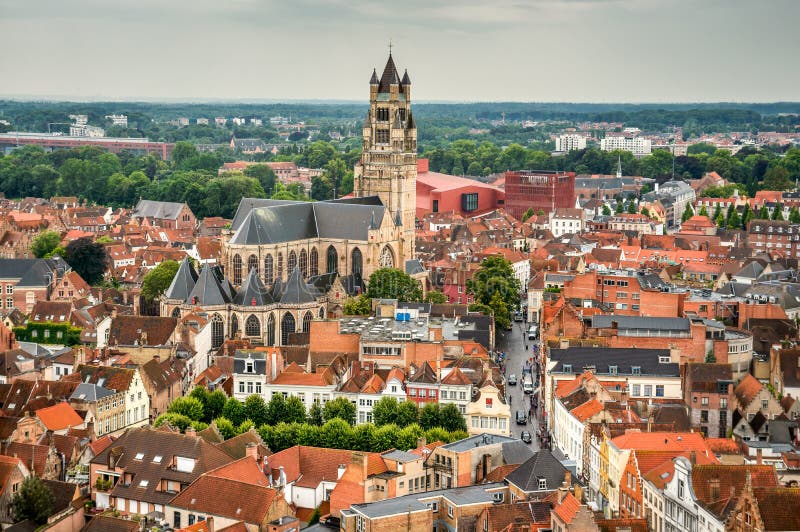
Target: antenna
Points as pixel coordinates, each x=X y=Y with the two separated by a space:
x=390 y=46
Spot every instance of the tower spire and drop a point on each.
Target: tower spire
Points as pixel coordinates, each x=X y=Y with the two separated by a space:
x=619 y=165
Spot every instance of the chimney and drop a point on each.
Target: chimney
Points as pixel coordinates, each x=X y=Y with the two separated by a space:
x=563 y=343
x=567 y=479
x=360 y=461
x=759 y=457
x=210 y=524
x=281 y=477
x=190 y=431
x=252 y=451
x=157 y=358
x=693 y=457
x=421 y=442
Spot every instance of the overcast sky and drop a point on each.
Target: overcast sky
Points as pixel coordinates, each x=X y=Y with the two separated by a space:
x=458 y=50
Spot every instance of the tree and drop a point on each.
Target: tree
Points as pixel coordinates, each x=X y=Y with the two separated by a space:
x=435 y=297
x=391 y=283
x=33 y=501
x=321 y=188
x=703 y=211
x=619 y=208
x=295 y=410
x=717 y=212
x=527 y=214
x=264 y=174
x=225 y=427
x=777 y=178
x=44 y=243
x=233 y=410
x=315 y=414
x=430 y=416
x=763 y=213
x=178 y=421
x=734 y=220
x=337 y=433
x=606 y=210
x=384 y=411
x=358 y=306
x=777 y=212
x=494 y=286
x=720 y=220
x=631 y=207
x=275 y=410
x=88 y=259
x=189 y=406
x=794 y=215
x=215 y=402
x=451 y=418
x=158 y=279
x=341 y=408
x=407 y=413
x=645 y=212
x=688 y=212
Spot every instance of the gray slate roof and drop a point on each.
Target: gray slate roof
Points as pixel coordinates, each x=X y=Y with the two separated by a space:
x=253 y=291
x=166 y=210
x=271 y=221
x=183 y=282
x=90 y=392
x=209 y=290
x=516 y=452
x=542 y=465
x=296 y=291
x=413 y=503
x=604 y=321
x=401 y=456
x=477 y=441
x=624 y=359
x=259 y=362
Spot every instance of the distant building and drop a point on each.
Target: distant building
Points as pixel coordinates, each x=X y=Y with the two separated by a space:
x=256 y=121
x=118 y=120
x=202 y=121
x=239 y=121
x=220 y=120
x=635 y=145
x=570 y=142
x=540 y=190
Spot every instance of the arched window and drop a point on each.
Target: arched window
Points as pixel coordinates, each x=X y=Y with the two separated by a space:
x=176 y=312
x=279 y=274
x=307 y=321
x=218 y=329
x=252 y=263
x=332 y=262
x=304 y=263
x=356 y=262
x=234 y=325
x=252 y=327
x=237 y=269
x=322 y=313
x=313 y=263
x=271 y=330
x=287 y=326
x=291 y=263
x=269 y=273
x=386 y=260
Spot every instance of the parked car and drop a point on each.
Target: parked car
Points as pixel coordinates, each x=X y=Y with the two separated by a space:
x=533 y=332
x=526 y=436
x=527 y=384
x=518 y=316
x=512 y=380
x=522 y=417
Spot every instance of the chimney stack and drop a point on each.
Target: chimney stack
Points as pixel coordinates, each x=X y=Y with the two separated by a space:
x=759 y=457
x=252 y=451
x=190 y=431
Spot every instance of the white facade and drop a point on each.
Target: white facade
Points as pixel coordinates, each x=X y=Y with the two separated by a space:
x=137 y=403
x=309 y=394
x=118 y=120
x=566 y=224
x=653 y=505
x=635 y=145
x=522 y=271
x=570 y=142
x=568 y=434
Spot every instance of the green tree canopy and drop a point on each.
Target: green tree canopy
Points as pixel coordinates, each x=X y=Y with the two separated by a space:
x=495 y=286
x=33 y=500
x=777 y=178
x=435 y=297
x=88 y=259
x=688 y=212
x=158 y=279
x=358 y=306
x=341 y=408
x=391 y=283
x=45 y=242
x=189 y=406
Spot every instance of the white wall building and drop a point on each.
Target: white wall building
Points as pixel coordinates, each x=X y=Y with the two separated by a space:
x=570 y=142
x=565 y=221
x=635 y=145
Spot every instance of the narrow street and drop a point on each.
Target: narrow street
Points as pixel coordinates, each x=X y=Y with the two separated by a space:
x=513 y=343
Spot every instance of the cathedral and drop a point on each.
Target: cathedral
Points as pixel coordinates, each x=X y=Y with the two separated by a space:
x=314 y=255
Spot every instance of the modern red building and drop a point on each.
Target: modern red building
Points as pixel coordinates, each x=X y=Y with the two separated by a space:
x=115 y=145
x=540 y=190
x=448 y=193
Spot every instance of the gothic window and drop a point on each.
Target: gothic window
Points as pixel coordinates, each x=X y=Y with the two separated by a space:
x=176 y=312
x=271 y=330
x=252 y=264
x=332 y=261
x=313 y=262
x=322 y=313
x=237 y=269
x=217 y=330
x=304 y=263
x=356 y=262
x=382 y=115
x=279 y=274
x=386 y=259
x=291 y=263
x=382 y=136
x=269 y=274
x=252 y=326
x=234 y=325
x=287 y=326
x=307 y=321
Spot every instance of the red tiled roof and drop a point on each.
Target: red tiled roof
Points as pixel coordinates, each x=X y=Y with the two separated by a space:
x=663 y=441
x=588 y=409
x=761 y=476
x=568 y=508
x=59 y=417
x=241 y=500
x=747 y=389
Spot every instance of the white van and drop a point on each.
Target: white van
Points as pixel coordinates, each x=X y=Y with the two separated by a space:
x=527 y=384
x=533 y=332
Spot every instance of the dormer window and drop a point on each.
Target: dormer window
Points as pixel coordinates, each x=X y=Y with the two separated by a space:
x=249 y=367
x=612 y=370
x=636 y=370
x=567 y=368
x=542 y=484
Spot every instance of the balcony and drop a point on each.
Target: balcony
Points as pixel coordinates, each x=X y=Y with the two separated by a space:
x=103 y=485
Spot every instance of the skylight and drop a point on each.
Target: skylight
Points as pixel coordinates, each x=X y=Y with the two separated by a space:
x=139 y=456
x=143 y=483
x=157 y=459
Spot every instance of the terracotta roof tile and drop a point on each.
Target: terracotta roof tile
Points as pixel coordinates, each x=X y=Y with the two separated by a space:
x=778 y=507
x=59 y=417
x=747 y=389
x=248 y=502
x=568 y=508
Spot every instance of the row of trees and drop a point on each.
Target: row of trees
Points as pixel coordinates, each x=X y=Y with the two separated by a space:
x=284 y=422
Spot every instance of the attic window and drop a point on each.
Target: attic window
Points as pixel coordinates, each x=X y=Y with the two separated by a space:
x=138 y=456
x=542 y=484
x=612 y=370
x=636 y=370
x=567 y=368
x=157 y=459
x=143 y=483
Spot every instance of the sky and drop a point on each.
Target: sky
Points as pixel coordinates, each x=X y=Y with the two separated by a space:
x=454 y=50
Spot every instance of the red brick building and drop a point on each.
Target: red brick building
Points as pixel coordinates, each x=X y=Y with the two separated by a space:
x=446 y=193
x=540 y=190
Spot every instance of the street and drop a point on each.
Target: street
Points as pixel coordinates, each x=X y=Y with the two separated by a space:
x=513 y=343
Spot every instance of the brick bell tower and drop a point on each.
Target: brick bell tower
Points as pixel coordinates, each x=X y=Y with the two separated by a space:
x=388 y=165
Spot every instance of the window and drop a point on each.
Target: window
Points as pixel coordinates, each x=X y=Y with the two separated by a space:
x=304 y=263
x=434 y=505
x=469 y=202
x=435 y=205
x=450 y=510
x=252 y=264
x=680 y=489
x=612 y=370
x=291 y=262
x=659 y=390
x=313 y=262
x=567 y=368
x=360 y=523
x=252 y=327
x=138 y=456
x=704 y=416
x=237 y=269
x=143 y=483
x=331 y=260
x=217 y=331
x=176 y=519
x=542 y=484
x=704 y=401
x=9 y=302
x=723 y=403
x=157 y=459
x=636 y=370
x=764 y=404
x=648 y=390
x=356 y=262
x=9 y=289
x=636 y=390
x=269 y=273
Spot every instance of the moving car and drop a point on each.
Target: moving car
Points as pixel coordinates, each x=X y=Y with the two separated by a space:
x=522 y=417
x=518 y=316
x=512 y=380
x=526 y=436
x=527 y=384
x=533 y=332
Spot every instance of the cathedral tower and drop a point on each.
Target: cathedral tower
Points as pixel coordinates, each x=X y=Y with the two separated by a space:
x=388 y=166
